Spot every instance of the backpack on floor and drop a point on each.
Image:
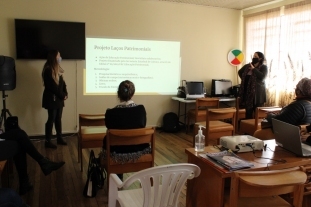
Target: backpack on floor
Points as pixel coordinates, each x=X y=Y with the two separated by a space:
x=170 y=122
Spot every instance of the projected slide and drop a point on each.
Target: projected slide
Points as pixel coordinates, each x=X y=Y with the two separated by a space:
x=153 y=66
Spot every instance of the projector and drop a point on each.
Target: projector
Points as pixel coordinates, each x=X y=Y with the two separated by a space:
x=241 y=143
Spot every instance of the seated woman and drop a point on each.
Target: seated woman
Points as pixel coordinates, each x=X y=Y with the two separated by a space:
x=126 y=115
x=21 y=145
x=296 y=113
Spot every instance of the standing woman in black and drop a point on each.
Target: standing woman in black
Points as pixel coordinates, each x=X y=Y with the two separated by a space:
x=253 y=88
x=54 y=94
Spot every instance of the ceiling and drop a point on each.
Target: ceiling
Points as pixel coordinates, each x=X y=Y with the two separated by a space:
x=229 y=4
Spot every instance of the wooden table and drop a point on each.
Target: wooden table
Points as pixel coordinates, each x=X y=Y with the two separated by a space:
x=208 y=189
x=185 y=102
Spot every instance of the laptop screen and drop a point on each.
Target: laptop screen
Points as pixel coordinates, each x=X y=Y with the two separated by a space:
x=195 y=88
x=287 y=136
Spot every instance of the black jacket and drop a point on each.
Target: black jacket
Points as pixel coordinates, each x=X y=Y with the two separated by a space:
x=126 y=118
x=296 y=113
x=261 y=74
x=53 y=94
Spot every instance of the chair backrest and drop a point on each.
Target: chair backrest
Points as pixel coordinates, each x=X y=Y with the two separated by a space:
x=221 y=114
x=267 y=183
x=206 y=103
x=161 y=185
x=225 y=125
x=130 y=136
x=91 y=120
x=261 y=113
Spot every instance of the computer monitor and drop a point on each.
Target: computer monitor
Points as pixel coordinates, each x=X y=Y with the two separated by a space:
x=194 y=89
x=221 y=87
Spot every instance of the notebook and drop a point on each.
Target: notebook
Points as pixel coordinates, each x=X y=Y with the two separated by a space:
x=194 y=90
x=287 y=136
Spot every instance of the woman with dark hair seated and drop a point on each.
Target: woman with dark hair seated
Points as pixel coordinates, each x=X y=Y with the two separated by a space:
x=20 y=140
x=126 y=115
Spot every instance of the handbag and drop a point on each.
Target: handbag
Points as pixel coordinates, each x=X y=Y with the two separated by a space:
x=95 y=177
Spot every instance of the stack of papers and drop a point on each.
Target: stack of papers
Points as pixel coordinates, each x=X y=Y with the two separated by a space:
x=229 y=160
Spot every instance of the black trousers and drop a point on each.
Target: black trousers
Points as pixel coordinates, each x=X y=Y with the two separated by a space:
x=54 y=117
x=24 y=146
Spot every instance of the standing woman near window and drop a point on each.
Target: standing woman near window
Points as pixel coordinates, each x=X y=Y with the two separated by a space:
x=253 y=88
x=54 y=94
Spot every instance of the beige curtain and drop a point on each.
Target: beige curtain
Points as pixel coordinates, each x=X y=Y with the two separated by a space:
x=284 y=36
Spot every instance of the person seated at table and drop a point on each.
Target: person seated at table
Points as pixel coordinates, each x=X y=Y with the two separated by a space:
x=299 y=111
x=21 y=141
x=296 y=113
x=126 y=115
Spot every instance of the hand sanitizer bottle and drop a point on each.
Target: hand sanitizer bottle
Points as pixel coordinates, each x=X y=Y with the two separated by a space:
x=199 y=140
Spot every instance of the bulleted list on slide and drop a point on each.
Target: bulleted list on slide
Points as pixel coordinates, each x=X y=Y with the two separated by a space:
x=153 y=66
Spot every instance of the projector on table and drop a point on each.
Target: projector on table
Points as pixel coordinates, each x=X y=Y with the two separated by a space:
x=241 y=143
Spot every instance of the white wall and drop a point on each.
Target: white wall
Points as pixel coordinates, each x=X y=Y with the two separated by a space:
x=206 y=34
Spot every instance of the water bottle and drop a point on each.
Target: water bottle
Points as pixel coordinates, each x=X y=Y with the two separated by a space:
x=199 y=140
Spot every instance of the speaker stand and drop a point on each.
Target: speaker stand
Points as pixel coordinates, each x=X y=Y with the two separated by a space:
x=4 y=111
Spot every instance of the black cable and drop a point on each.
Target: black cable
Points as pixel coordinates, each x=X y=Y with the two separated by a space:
x=274 y=160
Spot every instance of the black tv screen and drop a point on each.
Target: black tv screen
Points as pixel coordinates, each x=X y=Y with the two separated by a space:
x=221 y=87
x=34 y=38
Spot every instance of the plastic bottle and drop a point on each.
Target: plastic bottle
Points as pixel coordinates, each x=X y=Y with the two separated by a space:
x=199 y=140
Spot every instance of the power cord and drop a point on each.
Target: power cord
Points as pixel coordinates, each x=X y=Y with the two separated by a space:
x=265 y=147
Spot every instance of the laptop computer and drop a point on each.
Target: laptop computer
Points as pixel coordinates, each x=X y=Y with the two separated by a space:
x=287 y=136
x=194 y=90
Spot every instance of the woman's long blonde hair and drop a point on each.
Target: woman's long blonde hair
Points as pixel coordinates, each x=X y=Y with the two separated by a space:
x=52 y=63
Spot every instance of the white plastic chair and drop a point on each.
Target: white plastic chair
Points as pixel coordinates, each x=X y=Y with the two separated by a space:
x=160 y=186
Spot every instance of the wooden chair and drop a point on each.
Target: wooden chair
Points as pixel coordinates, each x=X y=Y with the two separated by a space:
x=219 y=122
x=240 y=114
x=262 y=188
x=160 y=186
x=128 y=137
x=199 y=113
x=249 y=126
x=91 y=133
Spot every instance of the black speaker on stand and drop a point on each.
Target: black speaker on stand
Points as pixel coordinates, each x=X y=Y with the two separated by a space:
x=7 y=82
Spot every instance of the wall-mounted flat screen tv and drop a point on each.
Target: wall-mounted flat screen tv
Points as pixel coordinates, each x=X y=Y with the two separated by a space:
x=34 y=38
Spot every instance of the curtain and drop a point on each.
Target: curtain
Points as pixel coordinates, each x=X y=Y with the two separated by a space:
x=284 y=36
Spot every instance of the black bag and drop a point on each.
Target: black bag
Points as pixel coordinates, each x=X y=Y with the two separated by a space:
x=170 y=122
x=95 y=177
x=181 y=90
x=11 y=123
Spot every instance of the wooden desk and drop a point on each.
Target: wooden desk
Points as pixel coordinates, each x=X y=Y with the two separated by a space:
x=208 y=189
x=185 y=102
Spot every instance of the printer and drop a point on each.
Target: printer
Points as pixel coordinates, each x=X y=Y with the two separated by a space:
x=241 y=143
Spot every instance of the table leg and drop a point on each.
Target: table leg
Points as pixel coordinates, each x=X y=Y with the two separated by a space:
x=185 y=114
